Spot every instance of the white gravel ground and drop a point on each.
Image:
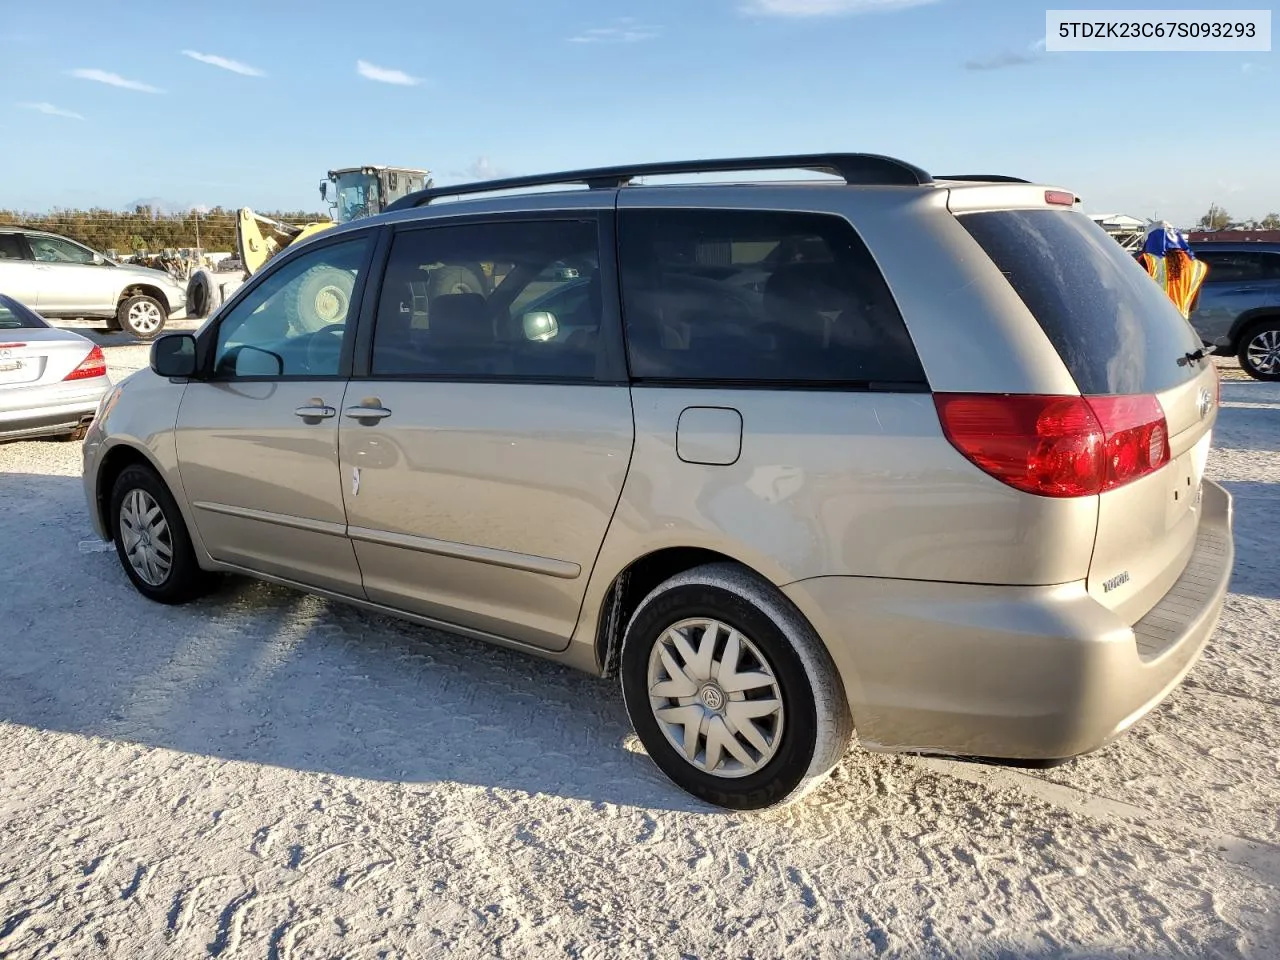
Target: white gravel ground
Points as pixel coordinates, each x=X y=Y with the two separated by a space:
x=269 y=775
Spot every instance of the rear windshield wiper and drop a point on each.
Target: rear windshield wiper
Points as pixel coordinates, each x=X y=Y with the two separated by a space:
x=1188 y=358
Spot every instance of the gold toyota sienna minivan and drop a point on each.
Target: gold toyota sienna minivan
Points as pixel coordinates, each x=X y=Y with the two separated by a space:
x=917 y=458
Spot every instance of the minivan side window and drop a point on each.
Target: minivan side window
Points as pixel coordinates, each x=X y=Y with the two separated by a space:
x=506 y=299
x=294 y=323
x=752 y=297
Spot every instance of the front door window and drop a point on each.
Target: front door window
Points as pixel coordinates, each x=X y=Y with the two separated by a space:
x=295 y=323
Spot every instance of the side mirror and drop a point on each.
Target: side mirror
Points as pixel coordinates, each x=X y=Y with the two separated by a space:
x=324 y=189
x=540 y=325
x=99 y=259
x=174 y=355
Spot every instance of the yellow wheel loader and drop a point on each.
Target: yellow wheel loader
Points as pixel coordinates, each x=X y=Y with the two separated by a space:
x=351 y=193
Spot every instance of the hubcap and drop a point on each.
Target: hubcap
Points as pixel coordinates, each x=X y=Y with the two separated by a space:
x=331 y=304
x=145 y=317
x=1264 y=352
x=146 y=537
x=715 y=697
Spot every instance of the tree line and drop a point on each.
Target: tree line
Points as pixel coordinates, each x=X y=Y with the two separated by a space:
x=1218 y=219
x=145 y=229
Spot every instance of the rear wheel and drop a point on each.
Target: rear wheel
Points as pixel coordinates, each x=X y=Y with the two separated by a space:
x=142 y=316
x=731 y=692
x=1259 y=352
x=152 y=540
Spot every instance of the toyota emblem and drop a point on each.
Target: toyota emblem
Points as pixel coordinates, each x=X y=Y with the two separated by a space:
x=1206 y=403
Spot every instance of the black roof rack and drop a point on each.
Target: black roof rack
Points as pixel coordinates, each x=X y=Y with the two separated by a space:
x=981 y=177
x=859 y=168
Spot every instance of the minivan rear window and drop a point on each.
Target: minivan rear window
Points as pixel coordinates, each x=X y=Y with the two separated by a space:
x=1114 y=328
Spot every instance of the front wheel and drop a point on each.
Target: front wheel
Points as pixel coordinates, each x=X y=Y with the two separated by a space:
x=152 y=540
x=733 y=695
x=1259 y=352
x=142 y=316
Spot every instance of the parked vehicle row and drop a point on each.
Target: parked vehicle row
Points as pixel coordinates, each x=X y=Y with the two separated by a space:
x=62 y=278
x=916 y=459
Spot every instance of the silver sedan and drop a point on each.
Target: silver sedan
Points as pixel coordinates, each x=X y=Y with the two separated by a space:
x=51 y=380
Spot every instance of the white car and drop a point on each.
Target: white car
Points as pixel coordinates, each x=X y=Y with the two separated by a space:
x=51 y=380
x=62 y=278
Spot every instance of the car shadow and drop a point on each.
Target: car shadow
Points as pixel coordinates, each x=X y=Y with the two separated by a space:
x=267 y=675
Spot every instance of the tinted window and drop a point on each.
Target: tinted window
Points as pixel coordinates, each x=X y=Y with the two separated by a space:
x=757 y=297
x=520 y=300
x=295 y=321
x=14 y=315
x=1115 y=329
x=57 y=250
x=11 y=247
x=1231 y=267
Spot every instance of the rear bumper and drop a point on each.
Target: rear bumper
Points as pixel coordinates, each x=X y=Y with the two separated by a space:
x=49 y=411
x=1015 y=673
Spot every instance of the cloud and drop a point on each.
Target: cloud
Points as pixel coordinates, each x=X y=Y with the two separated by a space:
x=481 y=168
x=825 y=8
x=51 y=110
x=384 y=75
x=114 y=80
x=235 y=66
x=1009 y=58
x=1252 y=68
x=625 y=30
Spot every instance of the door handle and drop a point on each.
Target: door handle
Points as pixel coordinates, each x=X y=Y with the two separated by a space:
x=367 y=415
x=315 y=410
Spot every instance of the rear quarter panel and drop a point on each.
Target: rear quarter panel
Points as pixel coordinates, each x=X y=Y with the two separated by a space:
x=835 y=484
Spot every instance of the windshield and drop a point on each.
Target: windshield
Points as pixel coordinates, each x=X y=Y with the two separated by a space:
x=356 y=196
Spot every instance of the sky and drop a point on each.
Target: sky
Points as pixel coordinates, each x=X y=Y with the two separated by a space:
x=250 y=103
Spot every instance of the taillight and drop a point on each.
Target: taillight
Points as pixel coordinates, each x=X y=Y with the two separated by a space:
x=1057 y=446
x=1137 y=437
x=94 y=365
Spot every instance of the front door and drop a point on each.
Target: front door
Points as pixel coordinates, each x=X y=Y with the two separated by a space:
x=71 y=280
x=484 y=453
x=258 y=438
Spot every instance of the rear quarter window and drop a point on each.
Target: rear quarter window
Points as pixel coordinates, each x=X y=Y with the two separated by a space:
x=1114 y=328
x=741 y=297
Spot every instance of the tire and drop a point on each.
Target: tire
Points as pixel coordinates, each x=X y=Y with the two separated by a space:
x=1259 y=351
x=142 y=316
x=204 y=296
x=446 y=280
x=804 y=740
x=183 y=581
x=324 y=298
